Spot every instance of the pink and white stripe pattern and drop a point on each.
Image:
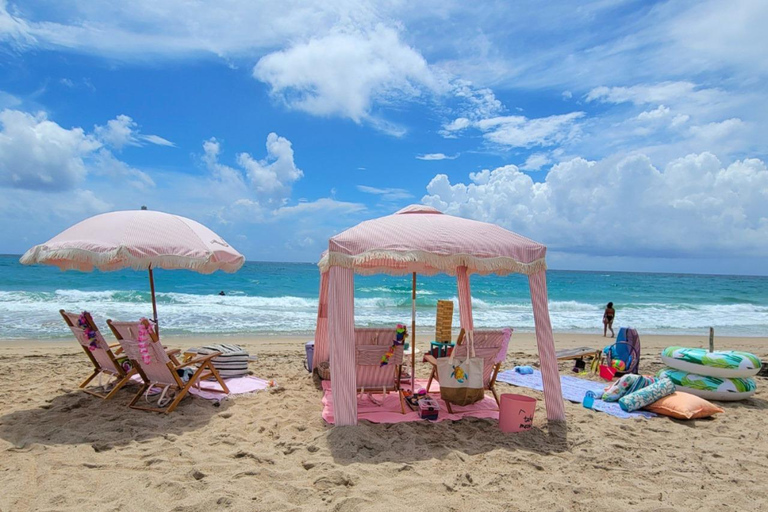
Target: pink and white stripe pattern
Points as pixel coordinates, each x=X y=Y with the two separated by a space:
x=545 y=341
x=423 y=240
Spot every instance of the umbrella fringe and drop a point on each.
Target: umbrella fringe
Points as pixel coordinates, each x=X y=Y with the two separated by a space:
x=85 y=260
x=396 y=263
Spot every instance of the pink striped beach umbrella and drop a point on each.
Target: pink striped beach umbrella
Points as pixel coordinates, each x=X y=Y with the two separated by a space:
x=420 y=239
x=137 y=239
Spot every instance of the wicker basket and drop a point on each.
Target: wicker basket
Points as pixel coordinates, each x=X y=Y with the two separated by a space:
x=444 y=321
x=324 y=370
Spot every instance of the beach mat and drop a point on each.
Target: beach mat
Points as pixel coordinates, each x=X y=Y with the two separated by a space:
x=389 y=410
x=236 y=386
x=574 y=390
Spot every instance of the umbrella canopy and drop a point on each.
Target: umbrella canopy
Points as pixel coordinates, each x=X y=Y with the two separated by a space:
x=137 y=239
x=424 y=240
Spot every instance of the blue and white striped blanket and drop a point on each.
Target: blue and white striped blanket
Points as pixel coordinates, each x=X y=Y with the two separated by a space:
x=574 y=390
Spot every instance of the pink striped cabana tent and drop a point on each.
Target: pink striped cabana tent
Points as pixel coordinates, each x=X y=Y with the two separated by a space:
x=420 y=239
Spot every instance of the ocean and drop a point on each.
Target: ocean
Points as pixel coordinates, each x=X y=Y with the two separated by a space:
x=281 y=298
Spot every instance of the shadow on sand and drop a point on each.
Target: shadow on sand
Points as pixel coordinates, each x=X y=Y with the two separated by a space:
x=408 y=442
x=78 y=418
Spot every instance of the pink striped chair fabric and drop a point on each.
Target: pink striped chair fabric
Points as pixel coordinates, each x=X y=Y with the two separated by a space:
x=370 y=345
x=102 y=357
x=161 y=368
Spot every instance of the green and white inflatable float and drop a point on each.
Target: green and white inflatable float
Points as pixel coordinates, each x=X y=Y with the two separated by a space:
x=724 y=364
x=710 y=388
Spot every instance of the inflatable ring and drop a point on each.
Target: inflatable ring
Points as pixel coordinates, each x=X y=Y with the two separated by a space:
x=710 y=388
x=729 y=364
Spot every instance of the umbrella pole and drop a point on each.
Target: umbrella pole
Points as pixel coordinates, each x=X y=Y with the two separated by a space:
x=413 y=335
x=154 y=304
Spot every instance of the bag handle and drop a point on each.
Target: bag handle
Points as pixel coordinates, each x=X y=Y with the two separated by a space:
x=469 y=334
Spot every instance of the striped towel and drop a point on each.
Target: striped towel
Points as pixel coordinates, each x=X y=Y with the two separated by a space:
x=233 y=361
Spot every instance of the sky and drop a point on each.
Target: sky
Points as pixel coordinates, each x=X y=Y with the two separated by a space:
x=624 y=135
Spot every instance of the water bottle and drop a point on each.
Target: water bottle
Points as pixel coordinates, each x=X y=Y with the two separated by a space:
x=589 y=399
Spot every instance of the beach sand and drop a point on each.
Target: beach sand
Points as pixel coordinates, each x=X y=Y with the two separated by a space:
x=271 y=451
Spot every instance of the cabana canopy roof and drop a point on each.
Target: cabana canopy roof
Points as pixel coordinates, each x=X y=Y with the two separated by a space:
x=422 y=239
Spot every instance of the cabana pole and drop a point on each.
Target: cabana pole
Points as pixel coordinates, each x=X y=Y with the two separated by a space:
x=413 y=334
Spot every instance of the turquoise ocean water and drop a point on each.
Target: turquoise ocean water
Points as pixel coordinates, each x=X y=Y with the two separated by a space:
x=281 y=298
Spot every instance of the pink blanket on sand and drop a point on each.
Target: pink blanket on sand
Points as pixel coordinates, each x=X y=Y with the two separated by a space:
x=389 y=410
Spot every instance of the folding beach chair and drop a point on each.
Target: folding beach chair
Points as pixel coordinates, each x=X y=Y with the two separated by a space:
x=491 y=345
x=371 y=344
x=104 y=360
x=159 y=369
x=626 y=349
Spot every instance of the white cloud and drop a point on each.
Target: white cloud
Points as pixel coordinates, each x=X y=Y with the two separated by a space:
x=270 y=179
x=388 y=194
x=695 y=206
x=436 y=156
x=536 y=161
x=124 y=131
x=157 y=140
x=36 y=153
x=105 y=164
x=521 y=132
x=664 y=92
x=652 y=115
x=341 y=74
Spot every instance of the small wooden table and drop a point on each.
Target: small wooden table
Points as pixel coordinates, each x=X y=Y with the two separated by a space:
x=581 y=353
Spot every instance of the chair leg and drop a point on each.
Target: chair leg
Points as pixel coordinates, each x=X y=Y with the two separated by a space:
x=402 y=401
x=495 y=396
x=432 y=375
x=89 y=379
x=137 y=397
x=215 y=373
x=119 y=384
x=448 y=405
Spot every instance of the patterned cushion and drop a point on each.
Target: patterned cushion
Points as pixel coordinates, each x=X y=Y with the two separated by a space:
x=626 y=385
x=647 y=395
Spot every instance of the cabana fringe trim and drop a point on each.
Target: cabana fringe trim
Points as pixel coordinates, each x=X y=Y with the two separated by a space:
x=82 y=259
x=399 y=263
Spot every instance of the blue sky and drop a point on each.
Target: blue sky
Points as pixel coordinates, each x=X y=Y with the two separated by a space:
x=625 y=135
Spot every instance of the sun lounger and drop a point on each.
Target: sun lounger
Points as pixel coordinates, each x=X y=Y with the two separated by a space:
x=161 y=370
x=104 y=360
x=491 y=345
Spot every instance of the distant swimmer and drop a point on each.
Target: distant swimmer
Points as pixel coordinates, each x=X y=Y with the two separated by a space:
x=222 y=292
x=608 y=315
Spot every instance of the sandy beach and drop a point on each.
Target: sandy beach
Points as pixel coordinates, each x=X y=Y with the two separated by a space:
x=271 y=451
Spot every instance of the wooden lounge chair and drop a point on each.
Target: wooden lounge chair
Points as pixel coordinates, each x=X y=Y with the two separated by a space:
x=104 y=360
x=371 y=344
x=161 y=368
x=491 y=345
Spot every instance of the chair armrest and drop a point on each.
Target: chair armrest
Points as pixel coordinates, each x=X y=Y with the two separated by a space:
x=199 y=359
x=430 y=359
x=172 y=351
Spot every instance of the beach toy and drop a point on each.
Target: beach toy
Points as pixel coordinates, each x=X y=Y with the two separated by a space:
x=516 y=412
x=729 y=364
x=618 y=365
x=428 y=408
x=607 y=372
x=524 y=370
x=711 y=388
x=589 y=399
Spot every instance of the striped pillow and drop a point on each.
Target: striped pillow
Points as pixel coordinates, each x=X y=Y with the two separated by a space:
x=233 y=361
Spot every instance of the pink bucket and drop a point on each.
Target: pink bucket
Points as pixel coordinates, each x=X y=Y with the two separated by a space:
x=516 y=412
